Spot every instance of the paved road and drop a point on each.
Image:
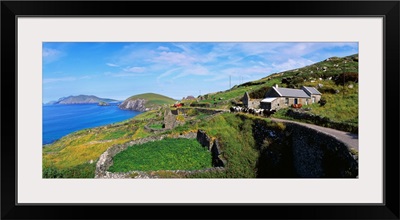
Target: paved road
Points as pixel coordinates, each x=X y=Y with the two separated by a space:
x=349 y=139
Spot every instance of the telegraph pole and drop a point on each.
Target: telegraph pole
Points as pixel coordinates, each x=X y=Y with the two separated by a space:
x=343 y=76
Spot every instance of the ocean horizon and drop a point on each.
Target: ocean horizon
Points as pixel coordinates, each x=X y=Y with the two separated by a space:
x=62 y=119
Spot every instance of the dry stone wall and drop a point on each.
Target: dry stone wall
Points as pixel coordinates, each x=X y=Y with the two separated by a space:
x=299 y=151
x=319 y=155
x=323 y=121
x=106 y=159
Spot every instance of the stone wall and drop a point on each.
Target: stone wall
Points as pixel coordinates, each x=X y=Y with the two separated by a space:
x=322 y=121
x=319 y=155
x=202 y=110
x=213 y=146
x=170 y=120
x=106 y=159
x=298 y=151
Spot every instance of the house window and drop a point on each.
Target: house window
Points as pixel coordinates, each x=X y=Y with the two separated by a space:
x=313 y=99
x=287 y=101
x=295 y=101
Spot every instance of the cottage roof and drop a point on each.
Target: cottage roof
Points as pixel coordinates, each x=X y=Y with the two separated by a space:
x=268 y=99
x=312 y=90
x=285 y=92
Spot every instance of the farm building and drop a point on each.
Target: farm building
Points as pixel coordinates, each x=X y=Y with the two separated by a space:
x=277 y=98
x=249 y=102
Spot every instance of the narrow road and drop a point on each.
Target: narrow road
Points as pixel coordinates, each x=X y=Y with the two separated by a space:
x=348 y=138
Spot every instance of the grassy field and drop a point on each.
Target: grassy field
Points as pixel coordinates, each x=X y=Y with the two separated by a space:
x=156 y=126
x=167 y=154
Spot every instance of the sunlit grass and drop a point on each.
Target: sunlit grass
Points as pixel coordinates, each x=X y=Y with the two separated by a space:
x=167 y=154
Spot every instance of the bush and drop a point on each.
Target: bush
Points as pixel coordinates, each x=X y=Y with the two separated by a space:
x=348 y=77
x=259 y=93
x=322 y=102
x=204 y=105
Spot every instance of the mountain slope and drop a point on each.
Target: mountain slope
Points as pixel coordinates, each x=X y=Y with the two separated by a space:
x=336 y=78
x=146 y=102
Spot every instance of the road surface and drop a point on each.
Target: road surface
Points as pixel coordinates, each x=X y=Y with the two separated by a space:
x=348 y=138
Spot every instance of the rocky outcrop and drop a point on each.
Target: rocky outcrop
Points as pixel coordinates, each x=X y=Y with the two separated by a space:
x=101 y=103
x=134 y=105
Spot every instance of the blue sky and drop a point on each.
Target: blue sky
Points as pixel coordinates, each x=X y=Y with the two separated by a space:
x=177 y=69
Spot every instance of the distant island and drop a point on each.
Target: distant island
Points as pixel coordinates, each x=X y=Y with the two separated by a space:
x=101 y=103
x=81 y=99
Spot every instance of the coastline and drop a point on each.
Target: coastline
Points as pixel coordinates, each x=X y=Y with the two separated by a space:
x=64 y=121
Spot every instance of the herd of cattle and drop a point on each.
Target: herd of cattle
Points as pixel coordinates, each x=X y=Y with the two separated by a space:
x=254 y=111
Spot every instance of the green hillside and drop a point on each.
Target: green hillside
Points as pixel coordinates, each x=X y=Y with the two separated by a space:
x=153 y=99
x=340 y=93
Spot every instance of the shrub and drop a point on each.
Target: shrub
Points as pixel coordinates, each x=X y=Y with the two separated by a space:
x=348 y=77
x=259 y=93
x=322 y=102
x=191 y=112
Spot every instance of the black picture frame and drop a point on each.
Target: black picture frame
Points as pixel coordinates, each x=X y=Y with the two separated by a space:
x=11 y=10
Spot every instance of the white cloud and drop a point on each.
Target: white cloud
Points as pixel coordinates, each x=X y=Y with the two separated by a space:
x=174 y=58
x=125 y=74
x=50 y=55
x=51 y=80
x=112 y=64
x=259 y=48
x=86 y=77
x=163 y=48
x=197 y=70
x=291 y=64
x=135 y=69
x=169 y=72
x=48 y=52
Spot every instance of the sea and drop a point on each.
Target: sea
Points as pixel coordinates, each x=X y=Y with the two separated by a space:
x=62 y=119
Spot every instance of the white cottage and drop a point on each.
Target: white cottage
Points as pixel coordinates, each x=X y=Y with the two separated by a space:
x=277 y=98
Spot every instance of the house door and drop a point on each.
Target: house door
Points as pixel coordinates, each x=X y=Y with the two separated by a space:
x=295 y=101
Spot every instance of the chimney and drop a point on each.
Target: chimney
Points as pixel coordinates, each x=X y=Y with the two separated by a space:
x=276 y=85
